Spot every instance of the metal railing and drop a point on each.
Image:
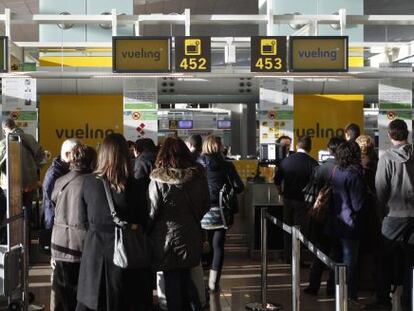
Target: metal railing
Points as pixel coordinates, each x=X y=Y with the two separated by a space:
x=341 y=292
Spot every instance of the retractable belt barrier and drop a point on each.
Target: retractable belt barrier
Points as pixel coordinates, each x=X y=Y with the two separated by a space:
x=341 y=294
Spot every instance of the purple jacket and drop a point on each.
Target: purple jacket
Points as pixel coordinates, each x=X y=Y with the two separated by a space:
x=349 y=193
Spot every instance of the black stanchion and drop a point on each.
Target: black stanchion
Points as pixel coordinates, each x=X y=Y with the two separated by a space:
x=264 y=305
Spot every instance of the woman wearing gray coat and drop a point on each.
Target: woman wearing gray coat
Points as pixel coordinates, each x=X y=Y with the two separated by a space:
x=69 y=228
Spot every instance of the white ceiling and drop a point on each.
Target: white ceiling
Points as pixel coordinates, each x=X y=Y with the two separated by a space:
x=30 y=33
x=372 y=33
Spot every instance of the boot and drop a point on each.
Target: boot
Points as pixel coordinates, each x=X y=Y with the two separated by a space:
x=213 y=281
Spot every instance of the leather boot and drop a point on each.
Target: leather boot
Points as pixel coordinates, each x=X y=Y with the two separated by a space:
x=213 y=281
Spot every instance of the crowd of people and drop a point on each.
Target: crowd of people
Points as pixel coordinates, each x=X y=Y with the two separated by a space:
x=182 y=196
x=370 y=208
x=172 y=193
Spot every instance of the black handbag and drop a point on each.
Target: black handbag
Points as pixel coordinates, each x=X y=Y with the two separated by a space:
x=229 y=196
x=132 y=248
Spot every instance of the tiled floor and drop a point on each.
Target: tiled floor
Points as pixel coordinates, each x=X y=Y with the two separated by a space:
x=240 y=281
x=240 y=285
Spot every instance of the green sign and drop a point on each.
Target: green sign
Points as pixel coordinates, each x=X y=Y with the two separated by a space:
x=4 y=54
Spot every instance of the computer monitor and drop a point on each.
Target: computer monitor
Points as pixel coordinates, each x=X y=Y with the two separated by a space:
x=185 y=124
x=224 y=124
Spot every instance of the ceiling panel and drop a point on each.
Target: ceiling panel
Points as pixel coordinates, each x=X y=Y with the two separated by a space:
x=372 y=33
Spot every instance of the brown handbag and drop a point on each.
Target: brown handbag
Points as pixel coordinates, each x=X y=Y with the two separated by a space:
x=324 y=199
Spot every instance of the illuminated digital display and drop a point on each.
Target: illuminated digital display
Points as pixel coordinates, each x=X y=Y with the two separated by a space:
x=185 y=124
x=224 y=124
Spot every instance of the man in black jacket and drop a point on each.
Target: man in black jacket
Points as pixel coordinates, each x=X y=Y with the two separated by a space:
x=291 y=177
x=145 y=154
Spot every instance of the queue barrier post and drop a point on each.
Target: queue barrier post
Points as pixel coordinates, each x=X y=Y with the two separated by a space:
x=295 y=268
x=412 y=288
x=264 y=305
x=341 y=289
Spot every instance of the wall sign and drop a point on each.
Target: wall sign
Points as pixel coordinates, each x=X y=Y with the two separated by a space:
x=327 y=54
x=268 y=54
x=193 y=54
x=141 y=54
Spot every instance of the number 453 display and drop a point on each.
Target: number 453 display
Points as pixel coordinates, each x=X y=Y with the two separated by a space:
x=192 y=54
x=268 y=54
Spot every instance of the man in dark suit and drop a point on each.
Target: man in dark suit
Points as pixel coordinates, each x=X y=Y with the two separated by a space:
x=291 y=177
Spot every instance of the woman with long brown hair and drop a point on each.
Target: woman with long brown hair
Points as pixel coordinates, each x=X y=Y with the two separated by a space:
x=102 y=285
x=179 y=198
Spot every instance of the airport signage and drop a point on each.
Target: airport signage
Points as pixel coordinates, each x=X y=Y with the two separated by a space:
x=268 y=54
x=141 y=54
x=4 y=54
x=192 y=54
x=318 y=54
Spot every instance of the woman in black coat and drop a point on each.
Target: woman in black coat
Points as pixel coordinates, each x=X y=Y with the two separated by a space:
x=102 y=285
x=217 y=220
x=179 y=199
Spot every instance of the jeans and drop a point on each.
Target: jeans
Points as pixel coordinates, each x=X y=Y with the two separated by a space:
x=180 y=291
x=350 y=250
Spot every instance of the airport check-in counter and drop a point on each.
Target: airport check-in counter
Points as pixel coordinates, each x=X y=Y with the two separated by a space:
x=258 y=196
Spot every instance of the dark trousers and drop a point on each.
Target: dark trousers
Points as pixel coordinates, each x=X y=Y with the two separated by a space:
x=396 y=258
x=323 y=243
x=65 y=284
x=180 y=291
x=216 y=239
x=295 y=213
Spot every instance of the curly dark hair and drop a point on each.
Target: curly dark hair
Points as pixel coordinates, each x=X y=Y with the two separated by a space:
x=83 y=159
x=174 y=154
x=348 y=154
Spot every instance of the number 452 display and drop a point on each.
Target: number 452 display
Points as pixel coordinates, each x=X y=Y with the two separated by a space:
x=192 y=54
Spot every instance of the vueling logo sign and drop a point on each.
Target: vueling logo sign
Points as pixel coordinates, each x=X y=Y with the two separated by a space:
x=83 y=133
x=142 y=54
x=320 y=132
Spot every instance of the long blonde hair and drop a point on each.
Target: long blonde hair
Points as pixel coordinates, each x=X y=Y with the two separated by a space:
x=113 y=161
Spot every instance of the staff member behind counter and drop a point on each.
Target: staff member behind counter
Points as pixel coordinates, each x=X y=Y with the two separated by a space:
x=291 y=177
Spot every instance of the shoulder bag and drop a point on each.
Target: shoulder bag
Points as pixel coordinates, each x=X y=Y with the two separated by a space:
x=131 y=247
x=320 y=208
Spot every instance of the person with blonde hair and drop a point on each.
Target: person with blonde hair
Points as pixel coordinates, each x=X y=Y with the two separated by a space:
x=220 y=175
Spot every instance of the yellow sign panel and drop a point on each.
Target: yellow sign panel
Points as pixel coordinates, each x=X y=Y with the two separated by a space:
x=88 y=118
x=192 y=47
x=319 y=54
x=268 y=47
x=141 y=54
x=324 y=116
